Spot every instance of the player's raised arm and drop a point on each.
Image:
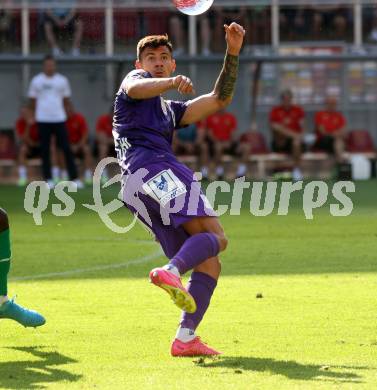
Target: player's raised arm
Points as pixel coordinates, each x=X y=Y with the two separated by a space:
x=222 y=94
x=147 y=88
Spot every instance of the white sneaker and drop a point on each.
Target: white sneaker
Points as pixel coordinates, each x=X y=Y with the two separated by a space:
x=75 y=51
x=50 y=184
x=204 y=172
x=56 y=51
x=297 y=174
x=241 y=171
x=206 y=52
x=79 y=183
x=373 y=35
x=220 y=173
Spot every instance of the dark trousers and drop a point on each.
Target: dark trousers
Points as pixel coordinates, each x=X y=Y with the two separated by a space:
x=46 y=130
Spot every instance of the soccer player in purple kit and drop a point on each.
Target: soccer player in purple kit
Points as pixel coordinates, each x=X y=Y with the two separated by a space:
x=143 y=128
x=9 y=309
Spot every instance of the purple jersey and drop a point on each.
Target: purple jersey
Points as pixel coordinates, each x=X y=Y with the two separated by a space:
x=143 y=129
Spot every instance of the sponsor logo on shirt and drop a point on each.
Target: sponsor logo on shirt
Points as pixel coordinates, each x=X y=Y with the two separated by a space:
x=164 y=187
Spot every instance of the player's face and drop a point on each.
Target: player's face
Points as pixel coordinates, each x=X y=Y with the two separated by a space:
x=49 y=67
x=331 y=103
x=157 y=61
x=286 y=100
x=25 y=112
x=70 y=110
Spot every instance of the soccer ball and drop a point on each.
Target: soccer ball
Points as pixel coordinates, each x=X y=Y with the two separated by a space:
x=193 y=7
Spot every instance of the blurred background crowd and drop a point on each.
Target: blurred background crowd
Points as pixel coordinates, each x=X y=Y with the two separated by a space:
x=303 y=117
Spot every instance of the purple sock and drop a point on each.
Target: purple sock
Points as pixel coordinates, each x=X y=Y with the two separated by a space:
x=201 y=287
x=195 y=250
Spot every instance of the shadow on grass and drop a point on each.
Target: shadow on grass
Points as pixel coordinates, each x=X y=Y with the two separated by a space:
x=27 y=374
x=290 y=369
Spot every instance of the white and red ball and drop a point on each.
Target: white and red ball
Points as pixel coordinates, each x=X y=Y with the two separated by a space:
x=193 y=7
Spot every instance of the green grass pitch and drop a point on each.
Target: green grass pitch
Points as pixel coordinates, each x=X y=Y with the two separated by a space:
x=315 y=326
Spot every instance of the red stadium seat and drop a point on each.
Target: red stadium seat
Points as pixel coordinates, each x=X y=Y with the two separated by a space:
x=93 y=25
x=257 y=142
x=34 y=25
x=360 y=141
x=7 y=147
x=126 y=24
x=157 y=22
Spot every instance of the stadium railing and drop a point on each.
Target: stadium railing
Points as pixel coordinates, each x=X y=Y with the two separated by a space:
x=110 y=6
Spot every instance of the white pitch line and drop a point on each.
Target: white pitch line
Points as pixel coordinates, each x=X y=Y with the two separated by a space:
x=141 y=260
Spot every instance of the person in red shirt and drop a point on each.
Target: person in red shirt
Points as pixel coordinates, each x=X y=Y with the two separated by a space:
x=28 y=139
x=330 y=126
x=104 y=138
x=77 y=128
x=287 y=125
x=220 y=129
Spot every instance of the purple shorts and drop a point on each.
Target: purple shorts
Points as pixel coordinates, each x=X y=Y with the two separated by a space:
x=165 y=195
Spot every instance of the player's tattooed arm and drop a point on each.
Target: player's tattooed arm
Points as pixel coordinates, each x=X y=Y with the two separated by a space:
x=224 y=87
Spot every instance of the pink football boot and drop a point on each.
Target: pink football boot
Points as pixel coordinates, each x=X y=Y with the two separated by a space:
x=173 y=286
x=195 y=347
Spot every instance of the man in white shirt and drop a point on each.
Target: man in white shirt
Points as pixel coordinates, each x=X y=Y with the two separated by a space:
x=49 y=94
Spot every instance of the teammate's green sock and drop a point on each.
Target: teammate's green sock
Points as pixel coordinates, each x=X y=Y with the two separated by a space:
x=5 y=255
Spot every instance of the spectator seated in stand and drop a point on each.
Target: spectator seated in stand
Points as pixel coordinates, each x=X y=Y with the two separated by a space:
x=370 y=23
x=104 y=139
x=7 y=25
x=60 y=22
x=78 y=139
x=331 y=20
x=227 y=15
x=221 y=132
x=190 y=141
x=330 y=128
x=253 y=143
x=287 y=126
x=360 y=141
x=294 y=22
x=178 y=26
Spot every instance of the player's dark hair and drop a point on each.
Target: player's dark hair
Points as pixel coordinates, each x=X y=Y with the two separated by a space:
x=153 y=41
x=286 y=93
x=48 y=57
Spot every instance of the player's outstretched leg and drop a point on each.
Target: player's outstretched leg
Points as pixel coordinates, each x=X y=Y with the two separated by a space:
x=8 y=308
x=194 y=302
x=201 y=286
x=170 y=280
x=194 y=251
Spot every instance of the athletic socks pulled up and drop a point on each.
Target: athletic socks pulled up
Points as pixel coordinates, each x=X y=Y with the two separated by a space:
x=5 y=254
x=201 y=286
x=195 y=250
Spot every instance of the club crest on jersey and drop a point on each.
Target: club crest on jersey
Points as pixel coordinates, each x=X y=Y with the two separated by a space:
x=164 y=187
x=161 y=185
